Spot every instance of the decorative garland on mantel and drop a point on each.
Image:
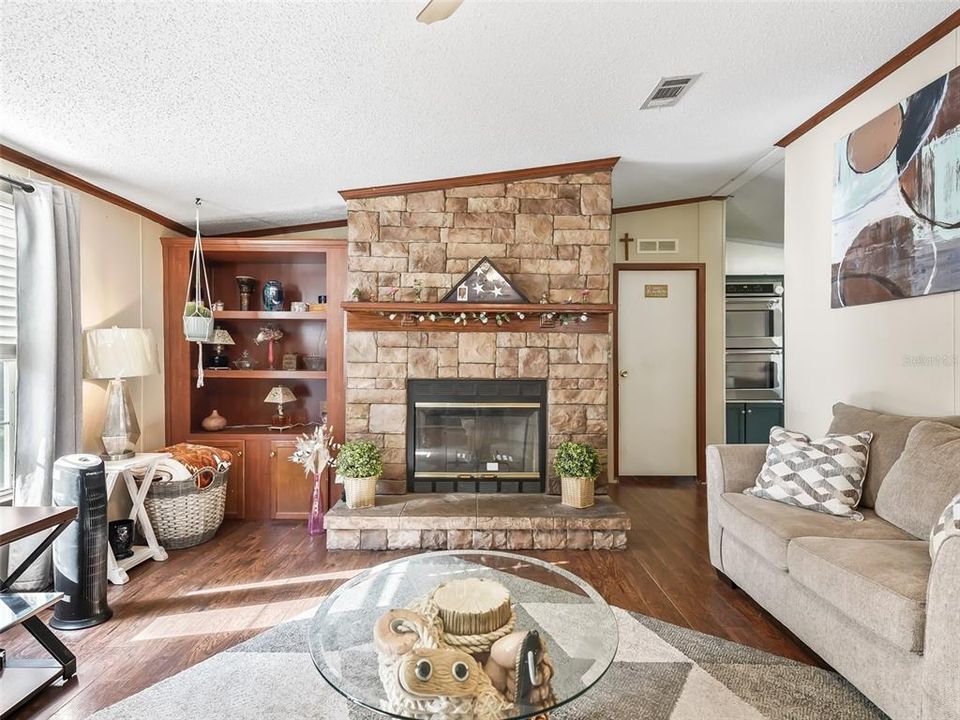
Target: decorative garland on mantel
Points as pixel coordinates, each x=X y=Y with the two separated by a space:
x=547 y=319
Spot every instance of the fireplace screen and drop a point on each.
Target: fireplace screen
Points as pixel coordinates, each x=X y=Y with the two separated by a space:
x=484 y=443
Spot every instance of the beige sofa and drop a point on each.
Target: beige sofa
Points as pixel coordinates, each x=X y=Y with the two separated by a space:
x=865 y=596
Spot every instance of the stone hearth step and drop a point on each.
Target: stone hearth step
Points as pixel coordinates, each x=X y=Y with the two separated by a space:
x=458 y=521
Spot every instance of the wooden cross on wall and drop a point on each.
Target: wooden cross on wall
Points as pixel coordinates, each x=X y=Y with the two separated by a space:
x=626 y=240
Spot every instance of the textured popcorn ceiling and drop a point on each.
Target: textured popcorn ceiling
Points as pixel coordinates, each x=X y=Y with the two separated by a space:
x=267 y=109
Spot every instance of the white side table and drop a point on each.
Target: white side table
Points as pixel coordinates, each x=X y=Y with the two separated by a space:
x=117 y=569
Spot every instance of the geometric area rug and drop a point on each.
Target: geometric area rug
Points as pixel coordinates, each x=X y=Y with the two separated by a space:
x=661 y=672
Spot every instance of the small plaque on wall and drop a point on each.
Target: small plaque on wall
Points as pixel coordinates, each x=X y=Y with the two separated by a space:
x=656 y=291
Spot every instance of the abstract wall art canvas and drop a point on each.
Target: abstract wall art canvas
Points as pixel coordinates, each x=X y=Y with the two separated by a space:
x=896 y=200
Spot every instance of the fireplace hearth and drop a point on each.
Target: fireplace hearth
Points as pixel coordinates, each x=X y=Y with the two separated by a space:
x=476 y=436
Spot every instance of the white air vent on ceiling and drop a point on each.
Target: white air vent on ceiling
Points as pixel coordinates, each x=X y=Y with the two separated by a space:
x=657 y=246
x=669 y=91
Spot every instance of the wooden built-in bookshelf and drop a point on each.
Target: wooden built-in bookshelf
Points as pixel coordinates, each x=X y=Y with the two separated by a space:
x=263 y=484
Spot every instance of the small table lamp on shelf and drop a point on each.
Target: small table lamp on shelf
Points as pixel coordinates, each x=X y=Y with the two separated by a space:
x=280 y=394
x=219 y=359
x=115 y=354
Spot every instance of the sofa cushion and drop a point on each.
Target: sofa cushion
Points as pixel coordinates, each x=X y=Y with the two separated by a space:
x=947 y=525
x=924 y=479
x=824 y=475
x=767 y=527
x=889 y=438
x=882 y=584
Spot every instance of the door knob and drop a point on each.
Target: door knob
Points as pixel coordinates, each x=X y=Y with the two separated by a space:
x=624 y=373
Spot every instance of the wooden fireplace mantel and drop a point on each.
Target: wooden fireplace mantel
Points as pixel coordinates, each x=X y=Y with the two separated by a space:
x=537 y=317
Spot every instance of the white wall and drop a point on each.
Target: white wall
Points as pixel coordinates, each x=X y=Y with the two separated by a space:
x=898 y=356
x=749 y=257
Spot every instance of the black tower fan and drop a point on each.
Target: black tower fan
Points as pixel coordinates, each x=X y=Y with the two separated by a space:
x=80 y=553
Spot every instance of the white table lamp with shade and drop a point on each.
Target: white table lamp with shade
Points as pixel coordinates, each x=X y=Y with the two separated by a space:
x=115 y=354
x=280 y=394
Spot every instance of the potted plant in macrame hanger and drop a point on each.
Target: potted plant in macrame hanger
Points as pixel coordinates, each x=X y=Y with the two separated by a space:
x=358 y=467
x=578 y=465
x=197 y=313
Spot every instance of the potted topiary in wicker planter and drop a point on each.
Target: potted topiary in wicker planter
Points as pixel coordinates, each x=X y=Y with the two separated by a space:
x=359 y=467
x=578 y=465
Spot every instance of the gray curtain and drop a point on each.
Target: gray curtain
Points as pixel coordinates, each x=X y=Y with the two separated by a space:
x=49 y=362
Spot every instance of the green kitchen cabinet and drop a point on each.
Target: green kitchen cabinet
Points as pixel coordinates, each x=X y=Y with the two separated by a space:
x=751 y=422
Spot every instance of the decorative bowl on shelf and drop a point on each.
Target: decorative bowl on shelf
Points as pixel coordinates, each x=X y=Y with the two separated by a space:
x=314 y=362
x=245 y=362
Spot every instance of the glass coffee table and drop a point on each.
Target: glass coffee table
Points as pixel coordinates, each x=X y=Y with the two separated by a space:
x=397 y=638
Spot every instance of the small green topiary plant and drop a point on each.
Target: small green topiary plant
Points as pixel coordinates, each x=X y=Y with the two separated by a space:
x=358 y=459
x=576 y=460
x=196 y=309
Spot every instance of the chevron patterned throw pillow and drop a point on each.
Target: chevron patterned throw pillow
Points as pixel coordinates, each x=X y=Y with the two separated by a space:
x=946 y=526
x=824 y=475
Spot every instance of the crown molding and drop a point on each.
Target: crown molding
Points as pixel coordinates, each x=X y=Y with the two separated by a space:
x=62 y=176
x=584 y=166
x=938 y=32
x=667 y=203
x=266 y=232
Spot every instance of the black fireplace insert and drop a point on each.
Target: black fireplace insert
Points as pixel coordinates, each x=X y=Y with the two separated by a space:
x=482 y=436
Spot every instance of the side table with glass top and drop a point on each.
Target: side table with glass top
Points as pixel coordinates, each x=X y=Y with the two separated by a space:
x=572 y=621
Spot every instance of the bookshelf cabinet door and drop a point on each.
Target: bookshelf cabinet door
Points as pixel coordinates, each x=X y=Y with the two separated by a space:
x=290 y=488
x=235 y=478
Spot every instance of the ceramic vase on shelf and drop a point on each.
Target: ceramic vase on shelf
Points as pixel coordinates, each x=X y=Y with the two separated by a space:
x=246 y=285
x=214 y=422
x=273 y=295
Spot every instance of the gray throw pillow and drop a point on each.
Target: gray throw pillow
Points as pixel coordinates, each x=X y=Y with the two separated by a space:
x=824 y=475
x=923 y=480
x=889 y=438
x=948 y=525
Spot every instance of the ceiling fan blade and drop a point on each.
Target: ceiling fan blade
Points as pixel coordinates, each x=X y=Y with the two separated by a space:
x=436 y=10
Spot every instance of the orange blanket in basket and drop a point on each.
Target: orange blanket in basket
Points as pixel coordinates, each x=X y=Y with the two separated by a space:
x=197 y=457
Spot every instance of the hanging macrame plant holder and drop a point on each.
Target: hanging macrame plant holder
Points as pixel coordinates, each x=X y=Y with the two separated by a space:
x=197 y=313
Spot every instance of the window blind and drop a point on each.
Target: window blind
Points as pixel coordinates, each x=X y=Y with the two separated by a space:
x=8 y=278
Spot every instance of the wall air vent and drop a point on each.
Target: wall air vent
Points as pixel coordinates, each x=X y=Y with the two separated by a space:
x=669 y=91
x=647 y=247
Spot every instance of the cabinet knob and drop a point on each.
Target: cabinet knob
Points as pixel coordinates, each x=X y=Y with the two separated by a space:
x=624 y=373
x=239 y=453
x=749 y=411
x=273 y=453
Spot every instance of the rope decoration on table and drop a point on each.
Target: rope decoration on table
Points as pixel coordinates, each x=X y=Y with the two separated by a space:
x=472 y=644
x=402 y=638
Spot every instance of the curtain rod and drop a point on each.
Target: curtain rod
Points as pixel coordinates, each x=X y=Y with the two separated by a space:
x=26 y=187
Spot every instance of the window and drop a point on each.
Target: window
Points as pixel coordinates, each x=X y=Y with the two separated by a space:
x=8 y=343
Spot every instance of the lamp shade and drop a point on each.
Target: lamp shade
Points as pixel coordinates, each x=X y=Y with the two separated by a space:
x=119 y=353
x=222 y=337
x=279 y=395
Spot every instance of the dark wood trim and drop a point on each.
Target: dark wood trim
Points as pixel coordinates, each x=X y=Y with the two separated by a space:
x=62 y=176
x=267 y=232
x=584 y=166
x=667 y=203
x=938 y=32
x=701 y=270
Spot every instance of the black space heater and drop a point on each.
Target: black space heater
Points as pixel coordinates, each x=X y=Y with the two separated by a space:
x=80 y=553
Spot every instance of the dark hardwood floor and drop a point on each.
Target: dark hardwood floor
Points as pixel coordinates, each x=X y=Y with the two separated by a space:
x=253 y=575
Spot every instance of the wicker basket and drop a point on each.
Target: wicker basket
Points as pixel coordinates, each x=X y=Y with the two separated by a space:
x=184 y=515
x=359 y=492
x=577 y=491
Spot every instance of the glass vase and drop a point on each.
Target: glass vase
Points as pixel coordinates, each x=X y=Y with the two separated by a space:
x=315 y=516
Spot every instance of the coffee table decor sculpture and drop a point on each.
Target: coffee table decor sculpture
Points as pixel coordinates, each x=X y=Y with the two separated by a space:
x=454 y=654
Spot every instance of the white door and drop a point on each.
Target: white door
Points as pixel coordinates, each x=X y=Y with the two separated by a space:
x=657 y=359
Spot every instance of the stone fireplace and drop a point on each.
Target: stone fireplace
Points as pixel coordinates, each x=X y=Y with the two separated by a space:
x=550 y=236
